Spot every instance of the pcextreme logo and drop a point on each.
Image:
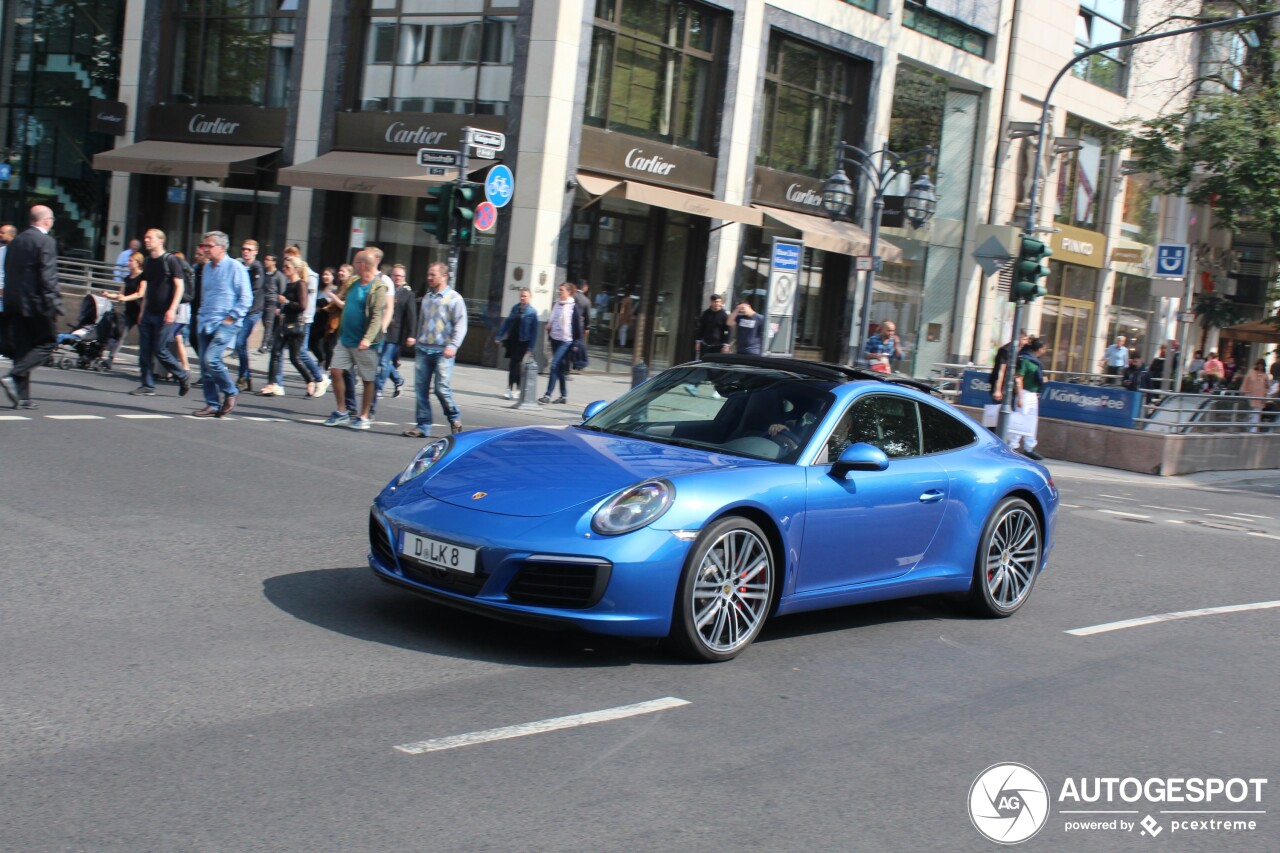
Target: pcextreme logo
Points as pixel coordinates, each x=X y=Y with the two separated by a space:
x=1009 y=803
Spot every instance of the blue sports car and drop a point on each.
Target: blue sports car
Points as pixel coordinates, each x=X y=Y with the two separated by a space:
x=715 y=495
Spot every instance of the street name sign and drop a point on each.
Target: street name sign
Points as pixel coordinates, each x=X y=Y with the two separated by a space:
x=437 y=157
x=489 y=139
x=484 y=153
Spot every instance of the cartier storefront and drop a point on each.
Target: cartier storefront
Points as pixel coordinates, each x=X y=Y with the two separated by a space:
x=204 y=168
x=640 y=230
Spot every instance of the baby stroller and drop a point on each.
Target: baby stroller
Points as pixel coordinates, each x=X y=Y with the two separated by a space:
x=98 y=324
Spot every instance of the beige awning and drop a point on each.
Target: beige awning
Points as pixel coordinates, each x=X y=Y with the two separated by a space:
x=643 y=193
x=1256 y=332
x=179 y=159
x=842 y=237
x=361 y=172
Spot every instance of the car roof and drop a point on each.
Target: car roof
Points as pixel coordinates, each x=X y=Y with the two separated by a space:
x=816 y=370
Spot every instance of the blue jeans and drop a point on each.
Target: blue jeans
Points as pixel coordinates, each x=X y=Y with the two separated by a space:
x=431 y=364
x=387 y=365
x=247 y=326
x=154 y=337
x=214 y=377
x=559 y=366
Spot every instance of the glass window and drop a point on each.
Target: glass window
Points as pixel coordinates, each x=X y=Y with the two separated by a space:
x=917 y=17
x=1102 y=22
x=232 y=52
x=886 y=421
x=437 y=58
x=654 y=71
x=942 y=432
x=1082 y=178
x=806 y=106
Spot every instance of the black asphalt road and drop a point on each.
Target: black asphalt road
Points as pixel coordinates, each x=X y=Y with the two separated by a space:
x=196 y=658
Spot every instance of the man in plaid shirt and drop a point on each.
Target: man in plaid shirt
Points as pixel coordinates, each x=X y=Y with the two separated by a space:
x=883 y=348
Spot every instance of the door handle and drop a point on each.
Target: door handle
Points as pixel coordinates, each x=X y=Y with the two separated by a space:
x=930 y=497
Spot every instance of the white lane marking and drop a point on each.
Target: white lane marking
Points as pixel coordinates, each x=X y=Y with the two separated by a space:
x=1247 y=515
x=550 y=725
x=1073 y=506
x=1115 y=497
x=1175 y=521
x=264 y=420
x=145 y=417
x=1219 y=515
x=1169 y=508
x=1261 y=535
x=75 y=417
x=13 y=418
x=1125 y=514
x=1193 y=509
x=1169 y=617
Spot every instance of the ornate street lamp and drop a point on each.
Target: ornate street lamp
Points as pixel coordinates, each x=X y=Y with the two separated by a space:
x=881 y=169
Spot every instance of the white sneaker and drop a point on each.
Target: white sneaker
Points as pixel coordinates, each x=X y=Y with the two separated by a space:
x=323 y=387
x=279 y=391
x=507 y=395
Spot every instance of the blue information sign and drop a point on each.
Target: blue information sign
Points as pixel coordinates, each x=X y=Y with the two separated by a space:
x=975 y=388
x=1092 y=404
x=499 y=186
x=1171 y=260
x=5 y=171
x=786 y=257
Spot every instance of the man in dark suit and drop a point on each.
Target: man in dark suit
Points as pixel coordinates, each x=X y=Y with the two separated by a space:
x=33 y=302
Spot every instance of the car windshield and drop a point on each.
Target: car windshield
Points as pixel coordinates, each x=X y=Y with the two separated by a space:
x=748 y=412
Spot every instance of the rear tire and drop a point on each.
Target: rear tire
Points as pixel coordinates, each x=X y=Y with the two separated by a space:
x=725 y=591
x=1008 y=559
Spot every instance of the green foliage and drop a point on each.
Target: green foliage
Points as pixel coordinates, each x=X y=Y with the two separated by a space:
x=1222 y=148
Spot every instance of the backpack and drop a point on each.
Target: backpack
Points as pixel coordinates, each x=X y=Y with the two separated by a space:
x=188 y=276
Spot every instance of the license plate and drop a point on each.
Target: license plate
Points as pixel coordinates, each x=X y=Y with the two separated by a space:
x=441 y=555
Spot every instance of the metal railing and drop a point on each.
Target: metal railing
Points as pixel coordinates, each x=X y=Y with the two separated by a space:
x=78 y=276
x=1199 y=414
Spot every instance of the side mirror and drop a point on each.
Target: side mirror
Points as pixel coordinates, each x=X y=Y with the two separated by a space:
x=593 y=409
x=859 y=457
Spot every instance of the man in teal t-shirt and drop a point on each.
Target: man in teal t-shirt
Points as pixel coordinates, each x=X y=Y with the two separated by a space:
x=359 y=334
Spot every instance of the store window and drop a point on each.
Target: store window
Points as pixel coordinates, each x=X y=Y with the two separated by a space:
x=1102 y=22
x=807 y=107
x=232 y=52
x=655 y=71
x=431 y=57
x=1130 y=311
x=1082 y=178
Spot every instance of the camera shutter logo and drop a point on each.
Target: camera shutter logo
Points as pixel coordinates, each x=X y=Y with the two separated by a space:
x=1009 y=803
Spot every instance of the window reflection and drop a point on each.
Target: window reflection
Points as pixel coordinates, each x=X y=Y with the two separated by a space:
x=232 y=52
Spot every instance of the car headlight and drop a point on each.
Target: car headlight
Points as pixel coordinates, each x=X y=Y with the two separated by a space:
x=633 y=508
x=425 y=458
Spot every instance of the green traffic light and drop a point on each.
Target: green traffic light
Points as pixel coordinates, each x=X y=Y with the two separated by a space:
x=1029 y=269
x=438 y=212
x=466 y=196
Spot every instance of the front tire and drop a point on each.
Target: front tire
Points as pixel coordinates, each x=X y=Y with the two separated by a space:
x=1008 y=559
x=725 y=592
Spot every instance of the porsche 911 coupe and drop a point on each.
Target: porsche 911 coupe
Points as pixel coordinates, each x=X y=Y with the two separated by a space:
x=714 y=496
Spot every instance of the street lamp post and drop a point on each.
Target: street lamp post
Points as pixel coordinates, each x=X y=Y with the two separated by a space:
x=881 y=169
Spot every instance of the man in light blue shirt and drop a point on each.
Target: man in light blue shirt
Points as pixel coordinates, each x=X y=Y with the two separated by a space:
x=122 y=260
x=1116 y=358
x=442 y=324
x=225 y=298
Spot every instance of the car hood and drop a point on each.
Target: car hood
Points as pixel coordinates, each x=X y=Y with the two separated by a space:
x=539 y=471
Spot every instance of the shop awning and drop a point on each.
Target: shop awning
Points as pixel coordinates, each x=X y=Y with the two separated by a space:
x=842 y=237
x=1255 y=332
x=361 y=172
x=179 y=159
x=643 y=193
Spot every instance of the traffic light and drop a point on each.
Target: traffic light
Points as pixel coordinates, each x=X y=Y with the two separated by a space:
x=1029 y=269
x=466 y=196
x=438 y=212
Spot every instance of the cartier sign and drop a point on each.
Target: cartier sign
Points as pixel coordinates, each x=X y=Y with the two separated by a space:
x=787 y=190
x=224 y=125
x=405 y=133
x=108 y=116
x=644 y=160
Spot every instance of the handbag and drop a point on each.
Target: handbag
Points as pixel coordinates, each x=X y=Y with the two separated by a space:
x=293 y=328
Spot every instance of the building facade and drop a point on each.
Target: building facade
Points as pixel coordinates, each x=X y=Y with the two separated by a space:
x=660 y=148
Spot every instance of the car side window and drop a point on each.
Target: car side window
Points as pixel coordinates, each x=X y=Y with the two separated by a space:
x=885 y=421
x=942 y=432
